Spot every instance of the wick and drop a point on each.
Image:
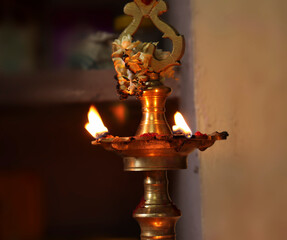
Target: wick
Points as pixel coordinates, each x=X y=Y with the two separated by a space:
x=101 y=135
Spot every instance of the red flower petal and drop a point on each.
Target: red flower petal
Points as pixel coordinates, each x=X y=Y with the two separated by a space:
x=147 y=2
x=198 y=134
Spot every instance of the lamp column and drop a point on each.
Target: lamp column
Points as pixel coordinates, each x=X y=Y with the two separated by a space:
x=156 y=214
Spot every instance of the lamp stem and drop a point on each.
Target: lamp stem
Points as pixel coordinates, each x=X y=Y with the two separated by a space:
x=153 y=111
x=156 y=214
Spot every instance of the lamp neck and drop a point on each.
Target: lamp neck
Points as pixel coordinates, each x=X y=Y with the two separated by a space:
x=153 y=110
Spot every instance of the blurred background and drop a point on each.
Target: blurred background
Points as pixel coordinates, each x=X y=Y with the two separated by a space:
x=55 y=62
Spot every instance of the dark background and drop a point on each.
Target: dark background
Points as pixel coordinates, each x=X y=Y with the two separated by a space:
x=53 y=183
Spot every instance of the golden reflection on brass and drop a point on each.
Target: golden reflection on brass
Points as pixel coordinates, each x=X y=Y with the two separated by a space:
x=138 y=11
x=153 y=111
x=156 y=214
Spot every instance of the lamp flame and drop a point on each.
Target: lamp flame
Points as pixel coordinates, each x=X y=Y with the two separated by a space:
x=181 y=125
x=95 y=126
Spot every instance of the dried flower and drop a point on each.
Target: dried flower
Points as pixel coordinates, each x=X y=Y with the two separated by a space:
x=132 y=64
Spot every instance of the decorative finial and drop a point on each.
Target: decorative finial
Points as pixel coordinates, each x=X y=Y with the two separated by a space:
x=138 y=63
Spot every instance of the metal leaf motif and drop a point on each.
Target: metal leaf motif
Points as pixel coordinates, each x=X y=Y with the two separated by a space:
x=138 y=10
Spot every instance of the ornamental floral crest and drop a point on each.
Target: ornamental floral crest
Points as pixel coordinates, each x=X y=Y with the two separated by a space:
x=132 y=64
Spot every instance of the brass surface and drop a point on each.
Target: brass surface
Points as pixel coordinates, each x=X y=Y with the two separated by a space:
x=138 y=10
x=155 y=163
x=154 y=154
x=156 y=214
x=153 y=111
x=162 y=152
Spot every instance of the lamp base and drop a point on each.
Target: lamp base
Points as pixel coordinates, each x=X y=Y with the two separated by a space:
x=155 y=163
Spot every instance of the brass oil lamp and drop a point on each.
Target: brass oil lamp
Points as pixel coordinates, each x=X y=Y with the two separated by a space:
x=154 y=149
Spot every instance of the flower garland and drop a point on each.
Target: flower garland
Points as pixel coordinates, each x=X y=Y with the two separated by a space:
x=132 y=64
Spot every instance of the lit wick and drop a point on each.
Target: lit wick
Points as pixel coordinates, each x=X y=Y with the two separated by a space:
x=181 y=127
x=95 y=126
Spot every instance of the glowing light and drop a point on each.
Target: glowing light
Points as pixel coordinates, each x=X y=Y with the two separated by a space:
x=158 y=224
x=181 y=125
x=95 y=126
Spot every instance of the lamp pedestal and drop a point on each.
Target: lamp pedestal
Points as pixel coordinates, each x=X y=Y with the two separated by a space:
x=156 y=214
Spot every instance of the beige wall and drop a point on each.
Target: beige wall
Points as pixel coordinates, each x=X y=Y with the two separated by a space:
x=240 y=74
